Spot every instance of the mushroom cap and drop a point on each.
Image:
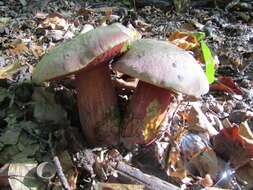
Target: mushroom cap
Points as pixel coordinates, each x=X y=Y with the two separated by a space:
x=96 y=46
x=165 y=65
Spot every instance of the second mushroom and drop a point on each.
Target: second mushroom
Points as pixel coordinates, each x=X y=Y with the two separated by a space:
x=163 y=70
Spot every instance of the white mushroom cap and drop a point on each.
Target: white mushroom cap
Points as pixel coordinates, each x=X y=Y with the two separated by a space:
x=165 y=65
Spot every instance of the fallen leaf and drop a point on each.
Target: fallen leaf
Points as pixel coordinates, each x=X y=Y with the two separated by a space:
x=183 y=115
x=55 y=23
x=226 y=84
x=3 y=173
x=46 y=109
x=221 y=87
x=233 y=147
x=8 y=71
x=24 y=177
x=199 y=122
x=3 y=94
x=246 y=173
x=244 y=130
x=41 y=15
x=230 y=83
x=37 y=51
x=17 y=47
x=206 y=163
x=184 y=40
x=84 y=11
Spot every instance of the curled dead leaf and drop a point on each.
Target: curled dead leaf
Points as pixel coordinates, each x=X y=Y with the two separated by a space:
x=184 y=40
x=233 y=147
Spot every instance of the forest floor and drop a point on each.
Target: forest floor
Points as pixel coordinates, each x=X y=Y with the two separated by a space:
x=207 y=142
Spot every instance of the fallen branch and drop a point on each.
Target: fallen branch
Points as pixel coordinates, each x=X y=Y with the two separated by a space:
x=129 y=174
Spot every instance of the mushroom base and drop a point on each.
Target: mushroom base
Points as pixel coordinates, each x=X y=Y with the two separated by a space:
x=146 y=111
x=97 y=103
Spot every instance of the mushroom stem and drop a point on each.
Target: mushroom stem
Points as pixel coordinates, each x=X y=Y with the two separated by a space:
x=97 y=103
x=145 y=113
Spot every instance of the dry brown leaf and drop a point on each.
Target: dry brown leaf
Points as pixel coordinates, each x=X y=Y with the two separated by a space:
x=199 y=122
x=84 y=11
x=234 y=147
x=176 y=165
x=17 y=47
x=246 y=173
x=226 y=84
x=245 y=131
x=184 y=40
x=206 y=163
x=228 y=81
x=55 y=23
x=37 y=51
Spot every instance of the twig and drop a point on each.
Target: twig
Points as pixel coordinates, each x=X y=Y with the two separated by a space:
x=58 y=167
x=60 y=173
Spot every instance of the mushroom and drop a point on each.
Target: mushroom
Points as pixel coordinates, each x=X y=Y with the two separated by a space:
x=163 y=70
x=87 y=57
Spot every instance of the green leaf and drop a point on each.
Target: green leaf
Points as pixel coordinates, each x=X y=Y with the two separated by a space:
x=209 y=60
x=198 y=35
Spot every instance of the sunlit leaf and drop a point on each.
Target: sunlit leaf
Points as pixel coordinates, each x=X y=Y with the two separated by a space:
x=18 y=47
x=198 y=35
x=8 y=71
x=184 y=40
x=209 y=60
x=55 y=22
x=19 y=170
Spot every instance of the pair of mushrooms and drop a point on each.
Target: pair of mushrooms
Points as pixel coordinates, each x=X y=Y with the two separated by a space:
x=160 y=66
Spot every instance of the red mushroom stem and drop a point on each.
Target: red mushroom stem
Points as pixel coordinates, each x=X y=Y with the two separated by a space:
x=145 y=113
x=97 y=103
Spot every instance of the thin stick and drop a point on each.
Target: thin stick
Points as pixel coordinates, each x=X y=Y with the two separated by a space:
x=60 y=173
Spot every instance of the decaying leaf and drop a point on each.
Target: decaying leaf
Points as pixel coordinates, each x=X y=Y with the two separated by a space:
x=18 y=47
x=228 y=81
x=206 y=163
x=199 y=122
x=10 y=137
x=245 y=131
x=3 y=94
x=226 y=84
x=8 y=71
x=37 y=51
x=246 y=174
x=233 y=147
x=184 y=40
x=46 y=109
x=55 y=22
x=24 y=177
